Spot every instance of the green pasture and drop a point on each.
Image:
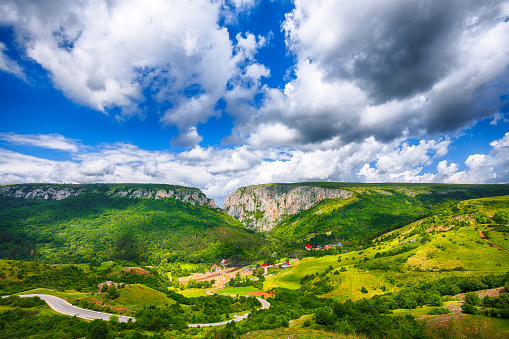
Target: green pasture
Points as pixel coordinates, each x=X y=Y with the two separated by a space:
x=238 y=290
x=136 y=296
x=69 y=294
x=193 y=292
x=467 y=326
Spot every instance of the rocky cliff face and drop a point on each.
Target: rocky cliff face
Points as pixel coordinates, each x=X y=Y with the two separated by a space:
x=261 y=207
x=58 y=192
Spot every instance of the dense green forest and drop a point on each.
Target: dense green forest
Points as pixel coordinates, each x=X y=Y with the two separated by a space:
x=96 y=226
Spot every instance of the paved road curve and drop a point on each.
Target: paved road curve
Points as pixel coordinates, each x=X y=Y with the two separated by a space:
x=61 y=306
x=265 y=305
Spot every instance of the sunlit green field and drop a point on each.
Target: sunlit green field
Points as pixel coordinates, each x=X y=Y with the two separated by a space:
x=238 y=290
x=193 y=292
x=137 y=296
x=455 y=251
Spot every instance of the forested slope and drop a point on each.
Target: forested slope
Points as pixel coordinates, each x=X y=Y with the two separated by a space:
x=100 y=224
x=372 y=210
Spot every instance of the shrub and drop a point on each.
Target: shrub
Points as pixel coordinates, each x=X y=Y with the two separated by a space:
x=113 y=292
x=468 y=308
x=324 y=316
x=473 y=299
x=439 y=311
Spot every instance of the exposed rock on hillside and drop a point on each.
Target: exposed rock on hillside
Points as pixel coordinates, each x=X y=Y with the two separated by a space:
x=261 y=207
x=58 y=192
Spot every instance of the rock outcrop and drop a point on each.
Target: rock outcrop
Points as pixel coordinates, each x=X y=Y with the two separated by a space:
x=261 y=207
x=58 y=192
x=107 y=285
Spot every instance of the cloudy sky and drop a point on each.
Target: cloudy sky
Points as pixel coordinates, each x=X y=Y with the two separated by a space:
x=218 y=94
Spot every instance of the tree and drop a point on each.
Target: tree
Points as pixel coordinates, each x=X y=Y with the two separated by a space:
x=473 y=299
x=501 y=217
x=468 y=308
x=324 y=316
x=98 y=329
x=364 y=289
x=113 y=292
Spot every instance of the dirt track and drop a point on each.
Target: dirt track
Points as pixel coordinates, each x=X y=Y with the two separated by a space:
x=483 y=238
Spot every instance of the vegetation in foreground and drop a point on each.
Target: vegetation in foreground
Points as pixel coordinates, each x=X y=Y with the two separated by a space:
x=407 y=283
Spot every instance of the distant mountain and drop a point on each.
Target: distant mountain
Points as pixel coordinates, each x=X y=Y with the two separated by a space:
x=144 y=223
x=261 y=207
x=327 y=212
x=149 y=191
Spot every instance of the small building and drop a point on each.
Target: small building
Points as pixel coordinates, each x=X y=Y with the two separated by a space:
x=309 y=247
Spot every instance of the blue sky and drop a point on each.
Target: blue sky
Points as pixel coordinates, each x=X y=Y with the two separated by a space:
x=223 y=94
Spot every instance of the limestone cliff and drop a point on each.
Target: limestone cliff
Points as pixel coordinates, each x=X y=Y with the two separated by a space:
x=58 y=192
x=261 y=207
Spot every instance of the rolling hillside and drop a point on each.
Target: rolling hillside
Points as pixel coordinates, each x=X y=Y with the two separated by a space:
x=140 y=223
x=358 y=214
x=446 y=244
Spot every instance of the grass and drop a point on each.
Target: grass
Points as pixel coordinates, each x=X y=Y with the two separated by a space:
x=43 y=310
x=455 y=252
x=64 y=295
x=238 y=290
x=416 y=312
x=283 y=333
x=137 y=296
x=467 y=326
x=499 y=238
x=352 y=283
x=193 y=292
x=290 y=278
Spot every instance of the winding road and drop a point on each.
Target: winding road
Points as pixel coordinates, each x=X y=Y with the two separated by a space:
x=265 y=305
x=61 y=306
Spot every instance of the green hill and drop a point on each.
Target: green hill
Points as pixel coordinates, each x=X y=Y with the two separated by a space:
x=372 y=210
x=446 y=244
x=93 y=223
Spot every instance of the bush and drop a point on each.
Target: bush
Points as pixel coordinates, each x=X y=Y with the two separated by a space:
x=469 y=308
x=439 y=311
x=324 y=316
x=473 y=299
x=113 y=292
x=98 y=329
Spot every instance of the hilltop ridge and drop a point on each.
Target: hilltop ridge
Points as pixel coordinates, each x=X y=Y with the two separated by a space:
x=143 y=223
x=148 y=191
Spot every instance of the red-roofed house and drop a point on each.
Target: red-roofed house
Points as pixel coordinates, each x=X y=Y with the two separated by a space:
x=309 y=247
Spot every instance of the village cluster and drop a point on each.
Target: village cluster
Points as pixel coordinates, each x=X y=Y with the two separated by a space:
x=309 y=247
x=281 y=265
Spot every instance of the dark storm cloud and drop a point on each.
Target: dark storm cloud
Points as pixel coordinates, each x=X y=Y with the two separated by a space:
x=406 y=47
x=390 y=69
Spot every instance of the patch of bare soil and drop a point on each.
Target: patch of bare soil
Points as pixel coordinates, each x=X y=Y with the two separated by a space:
x=119 y=310
x=262 y=293
x=493 y=292
x=136 y=270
